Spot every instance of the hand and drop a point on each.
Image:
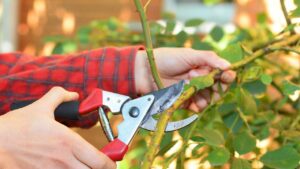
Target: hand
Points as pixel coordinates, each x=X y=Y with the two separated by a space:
x=31 y=138
x=176 y=64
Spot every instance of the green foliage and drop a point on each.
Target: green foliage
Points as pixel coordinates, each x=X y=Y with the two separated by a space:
x=218 y=156
x=244 y=142
x=240 y=164
x=283 y=158
x=251 y=110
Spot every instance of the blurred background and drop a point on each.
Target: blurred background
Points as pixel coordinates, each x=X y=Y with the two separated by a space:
x=24 y=24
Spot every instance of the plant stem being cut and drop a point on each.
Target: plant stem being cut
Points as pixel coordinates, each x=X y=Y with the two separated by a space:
x=148 y=41
x=165 y=116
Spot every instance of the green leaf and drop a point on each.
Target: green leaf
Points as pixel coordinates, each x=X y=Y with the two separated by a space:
x=296 y=13
x=255 y=87
x=202 y=82
x=289 y=88
x=251 y=73
x=297 y=2
x=212 y=137
x=244 y=142
x=195 y=149
x=217 y=33
x=166 y=148
x=283 y=158
x=170 y=26
x=233 y=53
x=266 y=79
x=240 y=164
x=193 y=22
x=198 y=139
x=199 y=45
x=245 y=102
x=218 y=156
x=211 y=2
x=181 y=37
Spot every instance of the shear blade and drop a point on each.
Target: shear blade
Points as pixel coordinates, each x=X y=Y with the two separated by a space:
x=164 y=99
x=151 y=123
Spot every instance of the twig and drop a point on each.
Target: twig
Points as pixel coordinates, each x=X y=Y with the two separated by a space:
x=286 y=15
x=149 y=47
x=161 y=125
x=146 y=5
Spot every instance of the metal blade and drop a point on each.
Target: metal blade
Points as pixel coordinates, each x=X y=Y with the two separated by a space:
x=164 y=99
x=151 y=123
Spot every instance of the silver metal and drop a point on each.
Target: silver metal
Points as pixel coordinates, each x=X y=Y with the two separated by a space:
x=171 y=126
x=163 y=100
x=134 y=112
x=105 y=125
x=114 y=101
x=129 y=126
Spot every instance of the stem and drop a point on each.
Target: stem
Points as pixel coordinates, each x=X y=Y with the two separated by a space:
x=164 y=118
x=161 y=125
x=286 y=15
x=149 y=47
x=286 y=49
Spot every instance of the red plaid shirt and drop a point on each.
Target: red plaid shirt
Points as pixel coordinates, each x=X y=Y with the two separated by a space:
x=24 y=77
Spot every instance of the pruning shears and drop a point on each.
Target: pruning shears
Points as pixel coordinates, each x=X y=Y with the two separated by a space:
x=137 y=113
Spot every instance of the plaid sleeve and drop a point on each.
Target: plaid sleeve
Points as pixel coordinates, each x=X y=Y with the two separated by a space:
x=24 y=77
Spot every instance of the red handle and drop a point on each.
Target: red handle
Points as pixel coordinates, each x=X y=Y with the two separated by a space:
x=115 y=150
x=92 y=102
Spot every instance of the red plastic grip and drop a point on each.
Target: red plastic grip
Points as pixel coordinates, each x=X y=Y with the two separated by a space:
x=92 y=102
x=115 y=150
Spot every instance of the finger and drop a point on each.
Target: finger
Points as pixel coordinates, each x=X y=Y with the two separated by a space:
x=200 y=102
x=76 y=164
x=209 y=58
x=228 y=76
x=223 y=86
x=89 y=155
x=55 y=97
x=197 y=72
x=206 y=94
x=216 y=97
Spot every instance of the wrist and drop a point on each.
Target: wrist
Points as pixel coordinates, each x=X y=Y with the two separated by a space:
x=143 y=77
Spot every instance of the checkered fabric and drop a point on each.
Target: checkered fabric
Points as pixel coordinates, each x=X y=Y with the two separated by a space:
x=24 y=77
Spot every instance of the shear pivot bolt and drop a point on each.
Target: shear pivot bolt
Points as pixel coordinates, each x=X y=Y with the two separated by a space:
x=134 y=112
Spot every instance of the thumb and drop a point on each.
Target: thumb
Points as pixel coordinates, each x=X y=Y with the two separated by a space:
x=54 y=97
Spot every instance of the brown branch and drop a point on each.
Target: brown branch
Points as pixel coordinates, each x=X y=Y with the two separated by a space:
x=286 y=15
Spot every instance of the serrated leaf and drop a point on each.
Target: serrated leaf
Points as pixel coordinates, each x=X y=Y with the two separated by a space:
x=289 y=88
x=166 y=148
x=244 y=142
x=266 y=79
x=217 y=33
x=212 y=137
x=255 y=87
x=233 y=53
x=218 y=156
x=283 y=158
x=193 y=22
x=240 y=164
x=202 y=82
x=245 y=102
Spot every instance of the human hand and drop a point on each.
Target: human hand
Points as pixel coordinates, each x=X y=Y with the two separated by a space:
x=31 y=138
x=176 y=64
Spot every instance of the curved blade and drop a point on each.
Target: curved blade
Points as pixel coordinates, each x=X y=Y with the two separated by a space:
x=151 y=123
x=164 y=99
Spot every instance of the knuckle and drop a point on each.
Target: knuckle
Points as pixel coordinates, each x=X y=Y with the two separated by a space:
x=57 y=89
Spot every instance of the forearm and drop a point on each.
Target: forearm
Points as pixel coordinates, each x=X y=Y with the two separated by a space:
x=110 y=69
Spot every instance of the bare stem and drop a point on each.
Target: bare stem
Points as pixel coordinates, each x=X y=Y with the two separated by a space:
x=148 y=41
x=286 y=15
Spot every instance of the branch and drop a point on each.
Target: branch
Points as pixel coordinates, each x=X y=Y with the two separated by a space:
x=286 y=15
x=162 y=123
x=149 y=47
